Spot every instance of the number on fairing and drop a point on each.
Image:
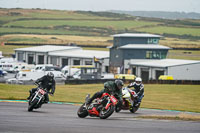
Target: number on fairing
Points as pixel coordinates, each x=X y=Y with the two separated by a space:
x=41 y=91
x=113 y=99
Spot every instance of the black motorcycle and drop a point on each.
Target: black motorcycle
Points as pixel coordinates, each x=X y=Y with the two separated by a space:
x=37 y=99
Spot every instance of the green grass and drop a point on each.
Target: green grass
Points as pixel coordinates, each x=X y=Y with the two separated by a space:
x=182 y=116
x=40 y=31
x=9 y=49
x=184 y=54
x=94 y=24
x=170 y=97
x=172 y=30
x=24 y=40
x=118 y=25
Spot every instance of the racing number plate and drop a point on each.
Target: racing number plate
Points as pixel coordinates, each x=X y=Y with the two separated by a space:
x=41 y=91
x=113 y=99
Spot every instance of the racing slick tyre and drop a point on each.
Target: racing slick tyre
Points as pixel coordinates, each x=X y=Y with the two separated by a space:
x=117 y=109
x=106 y=113
x=133 y=109
x=32 y=105
x=82 y=111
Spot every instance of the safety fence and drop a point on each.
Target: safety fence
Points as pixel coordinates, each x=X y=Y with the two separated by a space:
x=101 y=81
x=96 y=81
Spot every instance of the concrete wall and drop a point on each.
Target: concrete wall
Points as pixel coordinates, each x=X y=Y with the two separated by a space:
x=116 y=57
x=120 y=41
x=185 y=72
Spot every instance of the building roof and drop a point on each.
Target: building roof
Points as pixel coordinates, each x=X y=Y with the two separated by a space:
x=46 y=48
x=143 y=46
x=82 y=54
x=136 y=35
x=162 y=62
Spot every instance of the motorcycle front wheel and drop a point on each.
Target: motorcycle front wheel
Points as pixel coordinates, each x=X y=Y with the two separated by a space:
x=82 y=111
x=32 y=105
x=105 y=113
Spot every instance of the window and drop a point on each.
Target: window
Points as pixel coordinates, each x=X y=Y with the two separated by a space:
x=30 y=59
x=152 y=41
x=40 y=59
x=88 y=62
x=155 y=55
x=20 y=57
x=64 y=62
x=107 y=69
x=76 y=62
x=52 y=68
x=54 y=60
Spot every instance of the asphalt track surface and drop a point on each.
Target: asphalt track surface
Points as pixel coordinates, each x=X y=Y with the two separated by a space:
x=62 y=118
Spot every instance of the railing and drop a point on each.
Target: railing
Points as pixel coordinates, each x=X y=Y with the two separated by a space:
x=96 y=81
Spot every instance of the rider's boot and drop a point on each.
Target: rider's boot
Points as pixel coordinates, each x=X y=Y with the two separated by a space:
x=29 y=95
x=45 y=101
x=88 y=102
x=137 y=104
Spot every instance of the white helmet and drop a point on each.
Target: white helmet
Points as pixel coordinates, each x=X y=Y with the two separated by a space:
x=138 y=81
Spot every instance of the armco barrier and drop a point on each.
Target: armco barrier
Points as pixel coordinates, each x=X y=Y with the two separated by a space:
x=101 y=81
x=96 y=81
x=192 y=82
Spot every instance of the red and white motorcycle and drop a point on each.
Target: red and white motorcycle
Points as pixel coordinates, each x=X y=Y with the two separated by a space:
x=100 y=107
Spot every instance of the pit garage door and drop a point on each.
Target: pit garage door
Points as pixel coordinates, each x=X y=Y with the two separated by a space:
x=145 y=73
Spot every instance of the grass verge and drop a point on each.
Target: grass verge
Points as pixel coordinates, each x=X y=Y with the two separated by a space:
x=182 y=116
x=157 y=96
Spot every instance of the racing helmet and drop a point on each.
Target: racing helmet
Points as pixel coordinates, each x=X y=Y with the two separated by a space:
x=138 y=81
x=50 y=75
x=119 y=83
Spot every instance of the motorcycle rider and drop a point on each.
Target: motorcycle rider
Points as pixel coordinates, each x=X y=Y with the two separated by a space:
x=110 y=87
x=138 y=88
x=46 y=82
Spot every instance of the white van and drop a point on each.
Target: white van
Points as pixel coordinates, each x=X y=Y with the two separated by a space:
x=22 y=67
x=24 y=76
x=40 y=68
x=21 y=77
x=69 y=71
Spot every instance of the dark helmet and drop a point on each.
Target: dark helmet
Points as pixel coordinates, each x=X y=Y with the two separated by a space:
x=50 y=75
x=119 y=83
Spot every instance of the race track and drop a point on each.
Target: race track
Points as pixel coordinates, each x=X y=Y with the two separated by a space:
x=62 y=118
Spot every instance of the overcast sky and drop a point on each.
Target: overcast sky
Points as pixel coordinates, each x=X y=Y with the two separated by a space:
x=103 y=5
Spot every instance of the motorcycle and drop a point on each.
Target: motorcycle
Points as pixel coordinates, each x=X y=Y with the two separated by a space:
x=37 y=99
x=129 y=101
x=100 y=107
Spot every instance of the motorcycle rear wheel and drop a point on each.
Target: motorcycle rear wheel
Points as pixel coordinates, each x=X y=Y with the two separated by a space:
x=133 y=109
x=82 y=112
x=32 y=105
x=106 y=113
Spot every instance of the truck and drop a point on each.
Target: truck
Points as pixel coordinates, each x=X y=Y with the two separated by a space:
x=69 y=71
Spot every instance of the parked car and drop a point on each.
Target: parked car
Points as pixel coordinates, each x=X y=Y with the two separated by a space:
x=165 y=77
x=125 y=76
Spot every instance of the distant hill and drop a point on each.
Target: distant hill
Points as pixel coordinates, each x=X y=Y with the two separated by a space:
x=40 y=26
x=161 y=14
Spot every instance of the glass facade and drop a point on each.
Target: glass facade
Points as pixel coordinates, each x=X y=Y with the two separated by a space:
x=153 y=41
x=155 y=55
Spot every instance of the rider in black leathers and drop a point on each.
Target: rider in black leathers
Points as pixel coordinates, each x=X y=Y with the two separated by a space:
x=46 y=82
